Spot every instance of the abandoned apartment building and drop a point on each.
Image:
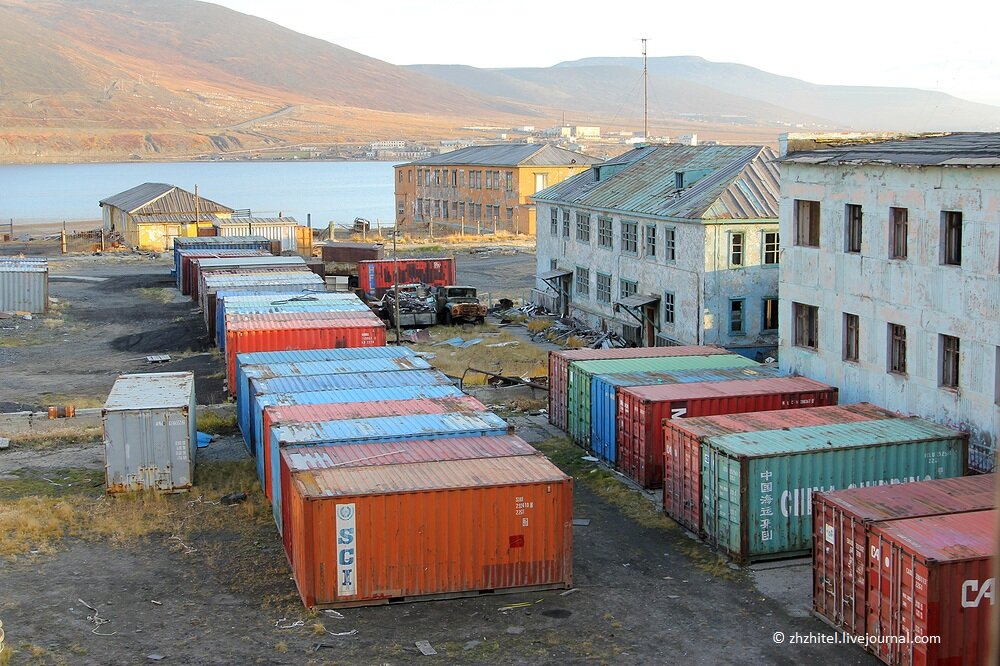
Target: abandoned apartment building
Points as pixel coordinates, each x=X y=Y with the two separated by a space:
x=667 y=244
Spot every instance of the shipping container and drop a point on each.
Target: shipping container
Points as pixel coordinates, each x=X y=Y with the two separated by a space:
x=579 y=380
x=643 y=409
x=282 y=230
x=279 y=415
x=150 y=438
x=376 y=429
x=290 y=311
x=430 y=530
x=559 y=361
x=683 y=439
x=757 y=486
x=375 y=277
x=842 y=520
x=352 y=253
x=183 y=273
x=215 y=243
x=229 y=303
x=604 y=398
x=263 y=389
x=24 y=286
x=933 y=577
x=199 y=278
x=235 y=265
x=269 y=333
x=303 y=281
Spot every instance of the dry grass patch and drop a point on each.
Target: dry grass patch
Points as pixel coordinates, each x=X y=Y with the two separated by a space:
x=78 y=401
x=156 y=294
x=58 y=438
x=217 y=424
x=521 y=359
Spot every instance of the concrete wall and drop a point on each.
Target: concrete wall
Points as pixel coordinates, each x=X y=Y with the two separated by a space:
x=928 y=298
x=700 y=277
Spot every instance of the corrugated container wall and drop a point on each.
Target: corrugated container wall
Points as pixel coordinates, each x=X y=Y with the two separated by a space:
x=238 y=266
x=217 y=243
x=642 y=411
x=271 y=228
x=842 y=522
x=344 y=253
x=24 y=286
x=487 y=525
x=933 y=577
x=183 y=274
x=604 y=398
x=579 y=381
x=265 y=333
x=683 y=438
x=291 y=312
x=299 y=281
x=238 y=303
x=757 y=487
x=375 y=277
x=149 y=432
x=559 y=361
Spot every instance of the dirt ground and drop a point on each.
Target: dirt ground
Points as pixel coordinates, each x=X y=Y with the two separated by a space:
x=645 y=592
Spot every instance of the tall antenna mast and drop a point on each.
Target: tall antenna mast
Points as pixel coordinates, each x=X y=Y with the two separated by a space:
x=645 y=94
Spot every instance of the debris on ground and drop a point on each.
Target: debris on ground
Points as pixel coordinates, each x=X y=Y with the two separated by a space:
x=589 y=458
x=418 y=336
x=459 y=343
x=581 y=522
x=233 y=498
x=204 y=439
x=334 y=614
x=523 y=604
x=425 y=648
x=576 y=333
x=291 y=625
x=509 y=343
x=515 y=630
x=97 y=620
x=4 y=443
x=568 y=592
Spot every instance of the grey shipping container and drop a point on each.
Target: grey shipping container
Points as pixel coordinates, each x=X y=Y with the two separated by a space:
x=150 y=439
x=24 y=285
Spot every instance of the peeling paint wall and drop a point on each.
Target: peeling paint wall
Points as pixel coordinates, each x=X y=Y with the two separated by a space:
x=928 y=298
x=699 y=277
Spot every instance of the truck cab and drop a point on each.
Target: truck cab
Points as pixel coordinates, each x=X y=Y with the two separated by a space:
x=459 y=303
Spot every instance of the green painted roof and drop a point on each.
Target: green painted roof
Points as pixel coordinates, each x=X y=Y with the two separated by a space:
x=663 y=363
x=809 y=439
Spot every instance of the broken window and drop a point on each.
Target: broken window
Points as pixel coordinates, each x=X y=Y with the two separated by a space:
x=897 y=233
x=806 y=325
x=897 y=349
x=949 y=360
x=951 y=233
x=852 y=222
x=852 y=337
x=806 y=223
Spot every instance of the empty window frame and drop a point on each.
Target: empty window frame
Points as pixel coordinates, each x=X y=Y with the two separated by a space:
x=651 y=241
x=898 y=224
x=806 y=323
x=852 y=337
x=605 y=235
x=949 y=364
x=603 y=288
x=565 y=214
x=897 y=349
x=736 y=249
x=951 y=238
x=630 y=240
x=736 y=309
x=668 y=307
x=582 y=282
x=583 y=228
x=670 y=244
x=806 y=223
x=852 y=228
x=554 y=221
x=771 y=248
x=627 y=288
x=769 y=315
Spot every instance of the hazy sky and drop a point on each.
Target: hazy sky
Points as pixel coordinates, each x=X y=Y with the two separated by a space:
x=937 y=46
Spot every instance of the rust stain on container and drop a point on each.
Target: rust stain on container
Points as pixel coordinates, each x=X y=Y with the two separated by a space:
x=375 y=277
x=488 y=525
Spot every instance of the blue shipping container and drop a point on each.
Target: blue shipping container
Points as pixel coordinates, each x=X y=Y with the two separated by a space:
x=604 y=403
x=380 y=429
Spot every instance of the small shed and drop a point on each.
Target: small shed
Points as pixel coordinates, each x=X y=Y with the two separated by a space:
x=281 y=229
x=24 y=285
x=150 y=438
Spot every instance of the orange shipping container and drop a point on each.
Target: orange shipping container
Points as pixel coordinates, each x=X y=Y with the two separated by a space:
x=393 y=533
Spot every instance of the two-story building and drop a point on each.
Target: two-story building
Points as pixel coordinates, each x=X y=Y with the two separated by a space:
x=890 y=276
x=667 y=244
x=481 y=188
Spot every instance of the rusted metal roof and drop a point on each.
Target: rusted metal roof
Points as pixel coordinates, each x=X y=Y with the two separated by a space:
x=742 y=183
x=969 y=149
x=162 y=199
x=509 y=154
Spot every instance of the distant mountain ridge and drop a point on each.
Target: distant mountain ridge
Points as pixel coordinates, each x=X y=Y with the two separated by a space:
x=119 y=79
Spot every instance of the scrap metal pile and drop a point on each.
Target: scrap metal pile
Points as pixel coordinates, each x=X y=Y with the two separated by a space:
x=571 y=331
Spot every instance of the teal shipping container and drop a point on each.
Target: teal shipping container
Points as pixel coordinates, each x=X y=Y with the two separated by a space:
x=580 y=374
x=757 y=486
x=604 y=401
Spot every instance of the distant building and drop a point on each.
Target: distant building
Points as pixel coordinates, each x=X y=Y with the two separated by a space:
x=523 y=128
x=584 y=132
x=395 y=144
x=573 y=131
x=151 y=215
x=889 y=275
x=667 y=244
x=687 y=139
x=484 y=185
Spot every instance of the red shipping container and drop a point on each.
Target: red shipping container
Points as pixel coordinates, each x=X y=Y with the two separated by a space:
x=282 y=414
x=642 y=410
x=559 y=369
x=184 y=279
x=268 y=332
x=842 y=521
x=682 y=439
x=932 y=577
x=389 y=453
x=375 y=277
x=351 y=253
x=395 y=533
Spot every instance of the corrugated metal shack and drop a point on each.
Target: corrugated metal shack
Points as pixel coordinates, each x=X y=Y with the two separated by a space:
x=24 y=285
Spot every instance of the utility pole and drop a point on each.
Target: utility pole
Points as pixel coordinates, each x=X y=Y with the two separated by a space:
x=645 y=94
x=197 y=213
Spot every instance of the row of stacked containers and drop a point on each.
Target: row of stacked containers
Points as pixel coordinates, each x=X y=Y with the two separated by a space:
x=386 y=482
x=902 y=540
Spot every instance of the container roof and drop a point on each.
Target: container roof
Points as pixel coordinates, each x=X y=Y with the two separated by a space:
x=352 y=246
x=346 y=353
x=689 y=376
x=508 y=155
x=778 y=419
x=304 y=278
x=729 y=182
x=368 y=454
x=663 y=363
x=949 y=538
x=195 y=242
x=967 y=149
x=387 y=428
x=154 y=390
x=636 y=352
x=311 y=383
x=825 y=437
x=239 y=262
x=300 y=320
x=428 y=476
x=966 y=493
x=337 y=367
x=335 y=395
x=242 y=299
x=162 y=198
x=255 y=222
x=699 y=390
x=338 y=411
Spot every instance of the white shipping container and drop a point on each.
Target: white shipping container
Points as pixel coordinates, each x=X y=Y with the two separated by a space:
x=150 y=437
x=24 y=285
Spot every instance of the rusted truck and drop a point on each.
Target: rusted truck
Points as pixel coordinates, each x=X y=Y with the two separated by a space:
x=458 y=304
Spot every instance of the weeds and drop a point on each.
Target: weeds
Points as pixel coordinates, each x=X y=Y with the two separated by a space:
x=78 y=401
x=518 y=360
x=58 y=438
x=217 y=424
x=156 y=294
x=536 y=325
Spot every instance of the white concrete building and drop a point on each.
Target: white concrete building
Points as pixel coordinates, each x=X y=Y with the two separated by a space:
x=890 y=283
x=667 y=244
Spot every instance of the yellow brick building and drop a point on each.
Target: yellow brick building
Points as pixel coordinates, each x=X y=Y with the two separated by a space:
x=481 y=187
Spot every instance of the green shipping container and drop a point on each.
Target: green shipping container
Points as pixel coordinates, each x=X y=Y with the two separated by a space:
x=580 y=372
x=757 y=487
